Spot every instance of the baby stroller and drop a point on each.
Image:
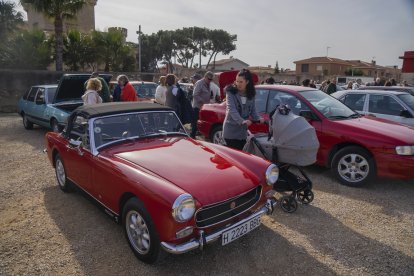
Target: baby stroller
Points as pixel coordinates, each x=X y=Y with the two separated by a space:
x=291 y=144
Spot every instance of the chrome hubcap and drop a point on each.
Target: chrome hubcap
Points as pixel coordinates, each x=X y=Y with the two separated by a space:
x=60 y=173
x=218 y=138
x=353 y=167
x=138 y=233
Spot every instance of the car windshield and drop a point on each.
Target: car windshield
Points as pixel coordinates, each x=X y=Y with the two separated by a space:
x=330 y=107
x=408 y=100
x=51 y=91
x=145 y=90
x=131 y=126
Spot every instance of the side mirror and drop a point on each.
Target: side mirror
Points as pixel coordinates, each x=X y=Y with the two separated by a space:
x=405 y=113
x=308 y=115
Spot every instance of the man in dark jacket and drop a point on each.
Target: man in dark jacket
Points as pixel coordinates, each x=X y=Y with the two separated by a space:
x=331 y=87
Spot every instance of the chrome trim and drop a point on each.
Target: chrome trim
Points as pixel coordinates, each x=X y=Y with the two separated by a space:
x=221 y=202
x=203 y=239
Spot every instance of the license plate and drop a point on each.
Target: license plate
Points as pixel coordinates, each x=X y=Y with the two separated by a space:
x=239 y=231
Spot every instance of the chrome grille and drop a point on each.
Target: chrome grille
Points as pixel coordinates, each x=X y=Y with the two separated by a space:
x=213 y=214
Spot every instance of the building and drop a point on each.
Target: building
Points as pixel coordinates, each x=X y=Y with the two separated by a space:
x=84 y=21
x=227 y=64
x=408 y=67
x=321 y=68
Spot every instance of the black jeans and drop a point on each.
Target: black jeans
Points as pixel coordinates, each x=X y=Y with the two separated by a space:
x=235 y=143
x=196 y=112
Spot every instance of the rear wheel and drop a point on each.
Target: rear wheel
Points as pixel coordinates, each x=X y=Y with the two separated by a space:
x=216 y=135
x=26 y=123
x=140 y=231
x=353 y=166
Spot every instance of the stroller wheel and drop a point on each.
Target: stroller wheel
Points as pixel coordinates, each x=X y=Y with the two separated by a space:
x=288 y=204
x=305 y=196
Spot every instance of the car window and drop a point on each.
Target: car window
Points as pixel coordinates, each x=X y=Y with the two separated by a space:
x=145 y=90
x=407 y=99
x=51 y=91
x=40 y=96
x=384 y=104
x=32 y=94
x=330 y=107
x=260 y=100
x=355 y=101
x=277 y=98
x=79 y=130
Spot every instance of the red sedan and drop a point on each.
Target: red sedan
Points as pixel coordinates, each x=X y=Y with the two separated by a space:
x=168 y=190
x=355 y=147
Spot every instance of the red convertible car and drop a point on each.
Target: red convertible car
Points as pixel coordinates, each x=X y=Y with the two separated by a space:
x=168 y=190
x=355 y=147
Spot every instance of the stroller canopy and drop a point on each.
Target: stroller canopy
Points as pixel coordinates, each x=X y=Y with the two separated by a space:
x=294 y=138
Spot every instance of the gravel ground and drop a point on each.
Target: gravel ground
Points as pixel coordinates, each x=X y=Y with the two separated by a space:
x=345 y=231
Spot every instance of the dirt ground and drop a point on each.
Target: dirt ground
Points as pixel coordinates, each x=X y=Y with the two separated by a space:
x=344 y=231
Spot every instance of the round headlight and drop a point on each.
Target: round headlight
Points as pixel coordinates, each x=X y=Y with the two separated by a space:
x=272 y=174
x=183 y=208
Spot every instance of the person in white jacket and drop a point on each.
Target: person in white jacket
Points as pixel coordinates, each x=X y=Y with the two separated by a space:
x=91 y=95
x=160 y=92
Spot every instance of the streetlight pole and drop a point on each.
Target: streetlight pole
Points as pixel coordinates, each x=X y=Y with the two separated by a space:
x=327 y=50
x=139 y=48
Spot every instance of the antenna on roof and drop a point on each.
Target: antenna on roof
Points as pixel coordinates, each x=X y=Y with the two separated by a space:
x=327 y=50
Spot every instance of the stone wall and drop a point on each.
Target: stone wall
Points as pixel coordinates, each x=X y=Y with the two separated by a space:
x=14 y=83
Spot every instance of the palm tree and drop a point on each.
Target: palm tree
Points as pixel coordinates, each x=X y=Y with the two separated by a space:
x=57 y=10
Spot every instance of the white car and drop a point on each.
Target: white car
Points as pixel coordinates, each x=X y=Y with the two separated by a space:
x=391 y=105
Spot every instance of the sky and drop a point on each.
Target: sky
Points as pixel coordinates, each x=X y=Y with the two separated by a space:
x=282 y=31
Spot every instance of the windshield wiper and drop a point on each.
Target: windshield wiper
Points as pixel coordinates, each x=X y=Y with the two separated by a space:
x=353 y=115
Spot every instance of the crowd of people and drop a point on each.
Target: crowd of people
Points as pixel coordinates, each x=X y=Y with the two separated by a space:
x=240 y=98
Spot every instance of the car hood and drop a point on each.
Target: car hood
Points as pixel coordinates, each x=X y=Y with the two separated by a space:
x=208 y=174
x=380 y=129
x=72 y=86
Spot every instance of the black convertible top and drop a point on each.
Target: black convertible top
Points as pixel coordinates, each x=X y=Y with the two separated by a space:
x=103 y=109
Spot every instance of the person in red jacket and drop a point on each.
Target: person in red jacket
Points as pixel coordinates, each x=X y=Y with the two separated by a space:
x=128 y=93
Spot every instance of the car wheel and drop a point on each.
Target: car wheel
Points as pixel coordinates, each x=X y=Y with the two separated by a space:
x=55 y=126
x=216 y=135
x=140 y=231
x=62 y=180
x=26 y=123
x=353 y=166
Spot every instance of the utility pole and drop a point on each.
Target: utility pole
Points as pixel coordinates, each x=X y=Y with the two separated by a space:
x=139 y=48
x=327 y=50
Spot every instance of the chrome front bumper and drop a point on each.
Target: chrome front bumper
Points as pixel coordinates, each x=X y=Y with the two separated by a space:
x=203 y=239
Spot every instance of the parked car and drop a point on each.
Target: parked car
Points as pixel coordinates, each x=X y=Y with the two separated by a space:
x=168 y=190
x=50 y=105
x=408 y=89
x=391 y=105
x=355 y=147
x=145 y=89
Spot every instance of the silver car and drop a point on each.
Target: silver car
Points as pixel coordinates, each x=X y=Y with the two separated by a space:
x=391 y=105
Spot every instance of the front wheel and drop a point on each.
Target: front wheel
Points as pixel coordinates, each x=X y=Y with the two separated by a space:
x=353 y=166
x=140 y=231
x=216 y=135
x=63 y=181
